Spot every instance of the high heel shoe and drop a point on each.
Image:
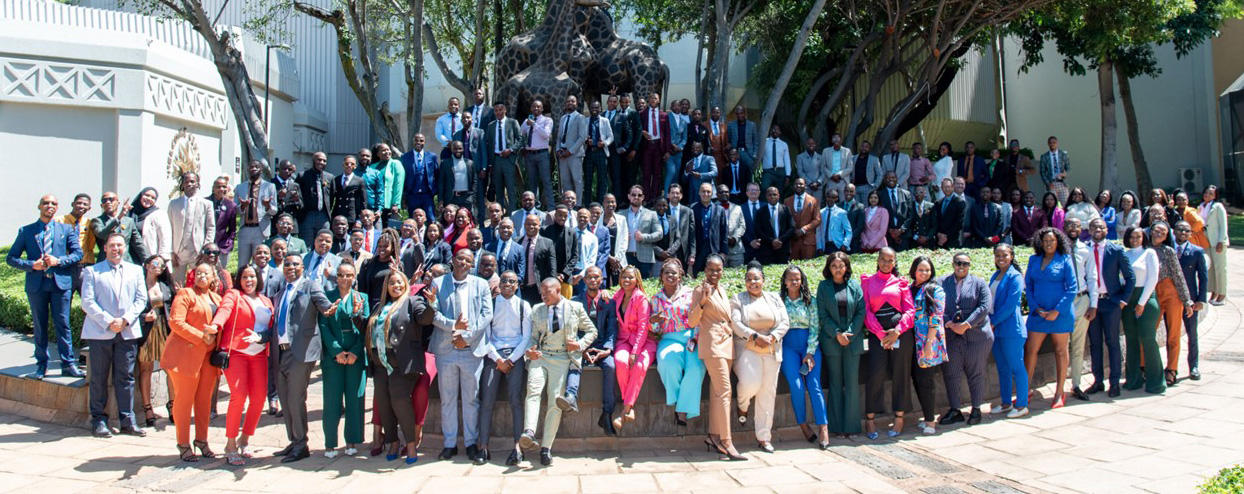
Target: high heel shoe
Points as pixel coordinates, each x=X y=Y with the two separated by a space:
x=169 y=408
x=679 y=422
x=871 y=424
x=204 y=451
x=712 y=445
x=807 y=434
x=186 y=453
x=1058 y=402
x=1171 y=378
x=732 y=454
x=151 y=416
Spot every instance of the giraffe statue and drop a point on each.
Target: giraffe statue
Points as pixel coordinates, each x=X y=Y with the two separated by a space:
x=628 y=65
x=537 y=64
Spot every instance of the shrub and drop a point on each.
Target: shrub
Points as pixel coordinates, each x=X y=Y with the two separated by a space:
x=1227 y=481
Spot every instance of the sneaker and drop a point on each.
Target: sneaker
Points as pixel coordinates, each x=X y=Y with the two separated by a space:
x=1001 y=409
x=351 y=451
x=332 y=453
x=1017 y=413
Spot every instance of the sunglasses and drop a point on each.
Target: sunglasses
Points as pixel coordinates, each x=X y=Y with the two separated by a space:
x=509 y=282
x=963 y=263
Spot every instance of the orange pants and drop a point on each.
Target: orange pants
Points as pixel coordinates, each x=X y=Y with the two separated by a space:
x=194 y=393
x=1172 y=310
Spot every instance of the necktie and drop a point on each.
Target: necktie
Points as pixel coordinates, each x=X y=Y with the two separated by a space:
x=315 y=267
x=970 y=163
x=367 y=241
x=565 y=130
x=665 y=229
x=557 y=325
x=1101 y=282
x=772 y=154
x=47 y=239
x=500 y=136
x=734 y=178
x=453 y=125
x=1075 y=263
x=505 y=248
x=773 y=217
x=798 y=204
x=652 y=123
x=254 y=197
x=595 y=131
x=945 y=204
x=894 y=162
x=531 y=261
x=283 y=310
x=530 y=130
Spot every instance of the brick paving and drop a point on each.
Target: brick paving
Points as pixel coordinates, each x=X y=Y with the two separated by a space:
x=1135 y=443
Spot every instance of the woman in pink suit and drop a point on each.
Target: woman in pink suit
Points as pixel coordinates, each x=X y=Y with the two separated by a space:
x=876 y=218
x=634 y=350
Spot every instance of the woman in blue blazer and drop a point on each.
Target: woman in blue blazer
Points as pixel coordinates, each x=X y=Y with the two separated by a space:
x=1009 y=331
x=1050 y=282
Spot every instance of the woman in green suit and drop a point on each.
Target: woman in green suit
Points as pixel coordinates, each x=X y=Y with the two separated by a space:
x=344 y=362
x=840 y=309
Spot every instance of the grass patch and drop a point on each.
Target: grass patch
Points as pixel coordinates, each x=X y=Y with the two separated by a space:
x=1235 y=229
x=1228 y=481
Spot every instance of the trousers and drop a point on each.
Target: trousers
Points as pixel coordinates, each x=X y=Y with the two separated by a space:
x=1078 y=334
x=682 y=372
x=718 y=371
x=1217 y=271
x=966 y=359
x=653 y=168
x=894 y=364
x=1190 y=327
x=540 y=176
x=673 y=170
x=843 y=394
x=1172 y=312
x=631 y=375
x=343 y=395
x=247 y=377
x=546 y=375
x=194 y=395
x=570 y=175
x=459 y=373
x=1141 y=334
x=51 y=306
x=608 y=383
x=1103 y=331
x=595 y=176
x=758 y=379
x=794 y=348
x=312 y=223
x=505 y=181
x=1008 y=356
x=924 y=379
x=248 y=238
x=393 y=403
x=490 y=383
x=113 y=356
x=291 y=386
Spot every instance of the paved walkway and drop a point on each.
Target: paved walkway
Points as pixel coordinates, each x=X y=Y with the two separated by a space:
x=1136 y=443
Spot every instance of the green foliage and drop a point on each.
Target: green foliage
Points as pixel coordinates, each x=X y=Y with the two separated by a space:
x=1235 y=229
x=15 y=306
x=661 y=21
x=1228 y=481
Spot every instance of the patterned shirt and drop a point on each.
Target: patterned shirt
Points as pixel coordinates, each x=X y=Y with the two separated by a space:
x=929 y=326
x=803 y=316
x=676 y=310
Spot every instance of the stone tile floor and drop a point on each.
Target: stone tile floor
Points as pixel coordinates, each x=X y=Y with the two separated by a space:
x=1135 y=443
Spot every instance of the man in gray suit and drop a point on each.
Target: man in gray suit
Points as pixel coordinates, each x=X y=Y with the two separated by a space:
x=741 y=135
x=968 y=338
x=1054 y=168
x=113 y=297
x=502 y=140
x=701 y=168
x=571 y=139
x=464 y=312
x=681 y=235
x=811 y=167
x=645 y=232
x=897 y=162
x=257 y=204
x=194 y=224
x=299 y=303
x=321 y=264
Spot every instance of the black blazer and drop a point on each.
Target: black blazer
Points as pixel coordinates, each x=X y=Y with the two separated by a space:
x=606 y=321
x=308 y=182
x=565 y=249
x=445 y=180
x=726 y=175
x=855 y=216
x=950 y=222
x=349 y=199
x=545 y=260
x=764 y=229
x=902 y=215
x=680 y=242
x=624 y=136
x=984 y=228
x=410 y=328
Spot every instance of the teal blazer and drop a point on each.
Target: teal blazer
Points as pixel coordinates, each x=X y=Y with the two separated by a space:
x=831 y=325
x=343 y=332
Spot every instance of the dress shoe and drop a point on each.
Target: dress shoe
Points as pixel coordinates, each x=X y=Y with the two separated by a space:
x=954 y=416
x=607 y=425
x=133 y=431
x=528 y=440
x=546 y=457
x=482 y=457
x=974 y=417
x=39 y=373
x=101 y=430
x=72 y=371
x=448 y=454
x=1080 y=395
x=1094 y=389
x=567 y=403
x=515 y=457
x=300 y=454
x=284 y=451
x=472 y=453
x=1195 y=374
x=1114 y=392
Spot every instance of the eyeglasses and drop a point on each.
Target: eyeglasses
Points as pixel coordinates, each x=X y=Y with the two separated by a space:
x=509 y=282
x=963 y=263
x=108 y=199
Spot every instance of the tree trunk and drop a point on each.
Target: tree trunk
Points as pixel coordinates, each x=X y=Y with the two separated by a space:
x=414 y=71
x=456 y=81
x=1109 y=126
x=721 y=53
x=1144 y=182
x=792 y=60
x=699 y=59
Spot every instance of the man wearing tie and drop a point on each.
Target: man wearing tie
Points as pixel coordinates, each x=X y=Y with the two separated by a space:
x=565 y=246
x=751 y=209
x=348 y=191
x=897 y=162
x=316 y=185
x=501 y=143
x=596 y=156
x=807 y=217
x=680 y=236
x=257 y=203
x=625 y=141
x=898 y=203
x=539 y=259
x=741 y=134
x=1054 y=168
x=655 y=145
x=464 y=311
x=288 y=193
x=718 y=146
x=449 y=124
x=509 y=252
x=114 y=295
x=50 y=249
x=537 y=130
x=321 y=264
x=1115 y=282
x=734 y=230
x=420 y=177
x=738 y=176
x=571 y=143
x=775 y=165
x=1026 y=220
x=471 y=136
x=1196 y=273
x=296 y=349
x=701 y=169
x=774 y=228
x=480 y=112
x=193 y=222
x=948 y=217
x=709 y=228
x=678 y=141
x=834 y=235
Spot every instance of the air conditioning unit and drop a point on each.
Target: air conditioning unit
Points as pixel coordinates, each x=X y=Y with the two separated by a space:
x=1190 y=180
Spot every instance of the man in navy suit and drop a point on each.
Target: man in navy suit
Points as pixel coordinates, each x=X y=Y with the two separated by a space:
x=51 y=250
x=1115 y=282
x=421 y=168
x=1196 y=273
x=601 y=309
x=508 y=250
x=737 y=175
x=751 y=209
x=973 y=169
x=775 y=225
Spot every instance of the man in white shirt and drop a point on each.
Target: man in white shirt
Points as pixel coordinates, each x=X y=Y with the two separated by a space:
x=114 y=295
x=588 y=250
x=506 y=339
x=1085 y=302
x=449 y=123
x=645 y=232
x=775 y=162
x=838 y=161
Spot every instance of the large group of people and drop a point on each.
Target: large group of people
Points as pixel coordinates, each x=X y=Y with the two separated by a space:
x=425 y=269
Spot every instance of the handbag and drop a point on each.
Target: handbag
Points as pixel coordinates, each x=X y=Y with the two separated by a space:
x=888 y=316
x=220 y=358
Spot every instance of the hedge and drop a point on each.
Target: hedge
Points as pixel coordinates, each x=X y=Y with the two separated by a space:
x=1228 y=481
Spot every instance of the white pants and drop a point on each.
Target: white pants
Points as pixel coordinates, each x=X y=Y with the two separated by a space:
x=758 y=375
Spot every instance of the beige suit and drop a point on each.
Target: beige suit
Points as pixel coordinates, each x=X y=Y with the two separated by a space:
x=548 y=373
x=193 y=226
x=758 y=367
x=710 y=311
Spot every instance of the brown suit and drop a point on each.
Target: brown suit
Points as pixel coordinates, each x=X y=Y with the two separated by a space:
x=807 y=221
x=718 y=142
x=710 y=311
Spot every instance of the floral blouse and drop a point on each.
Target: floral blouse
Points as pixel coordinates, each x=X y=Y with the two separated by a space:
x=803 y=316
x=676 y=311
x=930 y=328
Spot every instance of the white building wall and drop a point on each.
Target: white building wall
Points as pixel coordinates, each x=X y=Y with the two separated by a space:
x=1175 y=111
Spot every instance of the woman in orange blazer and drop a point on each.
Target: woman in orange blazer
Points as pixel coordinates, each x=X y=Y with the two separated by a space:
x=710 y=312
x=192 y=336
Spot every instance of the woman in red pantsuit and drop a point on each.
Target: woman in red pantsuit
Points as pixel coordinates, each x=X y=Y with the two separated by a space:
x=245 y=319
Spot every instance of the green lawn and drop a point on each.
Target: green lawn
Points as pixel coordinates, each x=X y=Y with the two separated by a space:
x=1235 y=229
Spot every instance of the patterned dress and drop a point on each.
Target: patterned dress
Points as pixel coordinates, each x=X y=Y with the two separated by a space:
x=930 y=328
